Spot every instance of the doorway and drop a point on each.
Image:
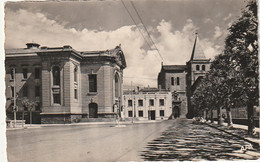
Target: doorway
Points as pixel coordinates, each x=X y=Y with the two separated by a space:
x=176 y=112
x=93 y=110
x=151 y=114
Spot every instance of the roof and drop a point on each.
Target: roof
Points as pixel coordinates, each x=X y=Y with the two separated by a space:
x=196 y=83
x=197 y=52
x=174 y=67
x=34 y=49
x=146 y=90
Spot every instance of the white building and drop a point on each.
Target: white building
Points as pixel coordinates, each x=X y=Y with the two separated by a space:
x=147 y=104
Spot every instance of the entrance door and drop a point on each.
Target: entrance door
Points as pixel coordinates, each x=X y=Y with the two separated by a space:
x=151 y=114
x=176 y=112
x=93 y=109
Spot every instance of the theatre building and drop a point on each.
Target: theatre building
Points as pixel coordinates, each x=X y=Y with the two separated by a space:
x=67 y=85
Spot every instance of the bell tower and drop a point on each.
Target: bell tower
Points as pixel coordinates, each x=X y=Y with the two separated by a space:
x=197 y=67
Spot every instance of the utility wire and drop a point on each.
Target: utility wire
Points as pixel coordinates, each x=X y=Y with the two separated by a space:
x=135 y=23
x=146 y=30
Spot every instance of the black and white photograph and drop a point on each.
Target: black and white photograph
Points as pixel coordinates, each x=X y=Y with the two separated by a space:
x=130 y=80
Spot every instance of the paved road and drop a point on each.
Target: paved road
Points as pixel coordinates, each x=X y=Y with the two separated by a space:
x=186 y=141
x=82 y=143
x=169 y=140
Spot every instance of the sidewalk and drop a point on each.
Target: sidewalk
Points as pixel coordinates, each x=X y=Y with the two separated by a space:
x=239 y=131
x=112 y=123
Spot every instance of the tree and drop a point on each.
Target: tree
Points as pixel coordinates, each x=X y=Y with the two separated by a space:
x=242 y=47
x=28 y=106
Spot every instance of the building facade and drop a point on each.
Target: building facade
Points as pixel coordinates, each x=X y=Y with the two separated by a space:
x=67 y=84
x=182 y=79
x=147 y=104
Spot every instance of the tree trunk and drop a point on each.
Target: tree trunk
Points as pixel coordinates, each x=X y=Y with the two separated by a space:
x=220 y=119
x=211 y=116
x=207 y=112
x=30 y=118
x=250 y=114
x=229 y=117
x=22 y=118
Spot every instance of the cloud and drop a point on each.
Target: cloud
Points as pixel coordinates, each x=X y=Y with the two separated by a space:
x=23 y=26
x=207 y=21
x=143 y=65
x=218 y=32
x=228 y=17
x=176 y=45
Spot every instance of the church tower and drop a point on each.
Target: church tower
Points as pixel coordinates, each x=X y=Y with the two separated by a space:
x=197 y=67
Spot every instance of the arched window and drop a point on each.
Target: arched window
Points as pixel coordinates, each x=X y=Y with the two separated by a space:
x=75 y=74
x=178 y=81
x=56 y=75
x=197 y=67
x=116 y=86
x=203 y=67
x=172 y=80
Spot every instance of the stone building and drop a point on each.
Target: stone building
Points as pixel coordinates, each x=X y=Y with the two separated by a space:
x=147 y=104
x=182 y=79
x=67 y=84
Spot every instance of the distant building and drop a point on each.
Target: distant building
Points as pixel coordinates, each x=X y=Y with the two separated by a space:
x=67 y=84
x=181 y=80
x=147 y=104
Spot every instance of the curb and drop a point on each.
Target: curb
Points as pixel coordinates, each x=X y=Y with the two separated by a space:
x=255 y=144
x=82 y=124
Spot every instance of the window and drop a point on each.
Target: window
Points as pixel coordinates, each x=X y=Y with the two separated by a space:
x=56 y=75
x=12 y=91
x=37 y=91
x=56 y=98
x=25 y=71
x=140 y=103
x=172 y=80
x=151 y=102
x=92 y=82
x=197 y=67
x=161 y=102
x=130 y=114
x=130 y=103
x=178 y=81
x=140 y=113
x=25 y=91
x=161 y=112
x=75 y=74
x=37 y=73
x=116 y=86
x=75 y=94
x=203 y=67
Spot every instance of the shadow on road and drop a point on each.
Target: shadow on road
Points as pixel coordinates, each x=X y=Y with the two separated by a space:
x=186 y=141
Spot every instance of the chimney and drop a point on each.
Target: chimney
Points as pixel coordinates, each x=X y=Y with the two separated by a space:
x=138 y=88
x=160 y=87
x=32 y=45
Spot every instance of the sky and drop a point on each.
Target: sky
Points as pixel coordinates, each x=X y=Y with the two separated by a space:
x=102 y=25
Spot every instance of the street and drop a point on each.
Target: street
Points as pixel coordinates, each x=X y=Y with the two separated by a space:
x=82 y=143
x=161 y=141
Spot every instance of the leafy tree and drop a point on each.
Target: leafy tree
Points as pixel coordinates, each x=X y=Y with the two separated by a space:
x=28 y=106
x=242 y=47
